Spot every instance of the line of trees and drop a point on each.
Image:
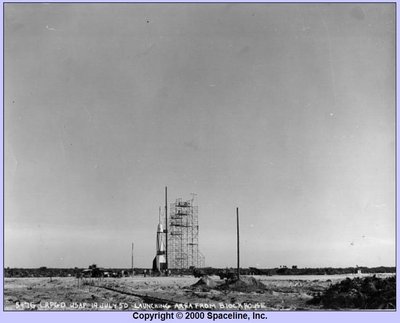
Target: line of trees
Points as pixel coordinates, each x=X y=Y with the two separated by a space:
x=71 y=272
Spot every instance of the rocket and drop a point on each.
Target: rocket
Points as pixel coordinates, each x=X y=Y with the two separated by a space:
x=160 y=262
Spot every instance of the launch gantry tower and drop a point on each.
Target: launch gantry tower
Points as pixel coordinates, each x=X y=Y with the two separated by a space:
x=183 y=236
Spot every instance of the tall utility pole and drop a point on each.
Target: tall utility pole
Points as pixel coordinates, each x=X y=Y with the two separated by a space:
x=166 y=228
x=237 y=233
x=132 y=260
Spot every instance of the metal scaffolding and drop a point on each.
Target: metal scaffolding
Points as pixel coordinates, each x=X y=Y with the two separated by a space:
x=183 y=236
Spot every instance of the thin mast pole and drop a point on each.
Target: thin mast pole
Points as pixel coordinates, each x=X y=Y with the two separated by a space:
x=166 y=227
x=238 y=252
x=132 y=259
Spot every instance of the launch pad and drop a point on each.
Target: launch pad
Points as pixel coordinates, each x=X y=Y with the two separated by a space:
x=177 y=245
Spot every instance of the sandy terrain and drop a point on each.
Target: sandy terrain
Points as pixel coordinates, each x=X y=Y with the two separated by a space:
x=282 y=293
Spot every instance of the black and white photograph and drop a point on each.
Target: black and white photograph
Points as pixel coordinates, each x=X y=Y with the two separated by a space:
x=199 y=158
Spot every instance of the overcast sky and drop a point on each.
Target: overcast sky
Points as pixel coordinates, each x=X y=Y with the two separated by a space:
x=286 y=111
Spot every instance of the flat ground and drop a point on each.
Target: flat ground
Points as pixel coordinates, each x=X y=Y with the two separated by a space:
x=281 y=293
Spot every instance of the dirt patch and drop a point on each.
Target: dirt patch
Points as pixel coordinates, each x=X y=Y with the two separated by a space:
x=244 y=285
x=205 y=282
x=275 y=293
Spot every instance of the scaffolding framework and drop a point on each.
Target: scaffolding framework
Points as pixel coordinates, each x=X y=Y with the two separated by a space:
x=183 y=236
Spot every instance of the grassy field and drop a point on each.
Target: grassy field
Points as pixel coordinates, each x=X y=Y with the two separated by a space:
x=67 y=293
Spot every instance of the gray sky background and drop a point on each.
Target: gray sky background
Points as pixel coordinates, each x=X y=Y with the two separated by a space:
x=286 y=111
